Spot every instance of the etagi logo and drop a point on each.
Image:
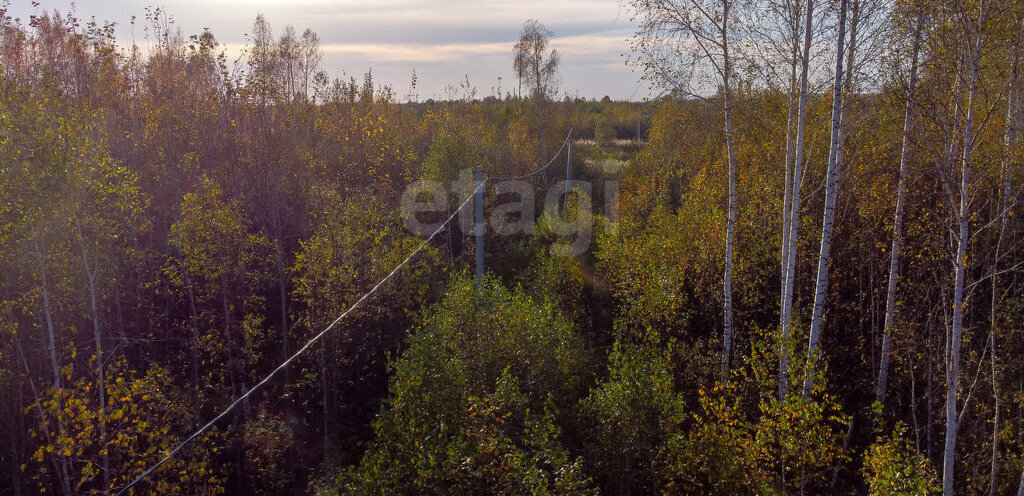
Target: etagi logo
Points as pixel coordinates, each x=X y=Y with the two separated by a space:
x=512 y=208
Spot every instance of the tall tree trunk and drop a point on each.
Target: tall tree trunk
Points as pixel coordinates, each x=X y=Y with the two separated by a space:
x=229 y=341
x=195 y=339
x=928 y=397
x=960 y=267
x=730 y=230
x=56 y=461
x=277 y=228
x=90 y=280
x=15 y=413
x=828 y=219
x=848 y=96
x=787 y=185
x=539 y=95
x=237 y=381
x=897 y=229
x=328 y=395
x=63 y=475
x=282 y=286
x=794 y=219
x=1009 y=141
x=790 y=138
x=122 y=337
x=996 y=406
x=540 y=127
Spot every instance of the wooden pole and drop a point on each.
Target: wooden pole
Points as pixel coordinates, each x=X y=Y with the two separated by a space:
x=478 y=228
x=568 y=172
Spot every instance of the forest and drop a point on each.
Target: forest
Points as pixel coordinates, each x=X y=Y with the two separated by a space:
x=796 y=270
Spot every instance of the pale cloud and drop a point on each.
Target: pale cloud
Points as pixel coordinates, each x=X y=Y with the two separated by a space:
x=579 y=48
x=415 y=53
x=599 y=47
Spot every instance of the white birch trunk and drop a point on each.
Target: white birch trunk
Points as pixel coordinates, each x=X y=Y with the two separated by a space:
x=195 y=337
x=731 y=223
x=787 y=186
x=960 y=267
x=790 y=145
x=831 y=192
x=1009 y=141
x=62 y=461
x=794 y=216
x=90 y=279
x=897 y=230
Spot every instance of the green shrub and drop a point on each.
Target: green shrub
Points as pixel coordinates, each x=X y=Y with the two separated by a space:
x=893 y=468
x=630 y=416
x=474 y=402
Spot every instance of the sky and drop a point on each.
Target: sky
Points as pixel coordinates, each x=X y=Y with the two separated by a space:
x=445 y=41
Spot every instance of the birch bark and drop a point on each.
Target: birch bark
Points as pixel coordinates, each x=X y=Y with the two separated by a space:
x=897 y=229
x=794 y=219
x=960 y=268
x=828 y=219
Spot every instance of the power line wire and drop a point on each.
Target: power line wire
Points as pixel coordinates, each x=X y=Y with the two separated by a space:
x=545 y=166
x=317 y=337
x=284 y=364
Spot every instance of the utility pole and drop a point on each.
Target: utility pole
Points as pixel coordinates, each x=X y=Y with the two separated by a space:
x=478 y=228
x=568 y=172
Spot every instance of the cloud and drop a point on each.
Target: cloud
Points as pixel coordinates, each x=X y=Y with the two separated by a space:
x=591 y=47
x=422 y=53
x=573 y=49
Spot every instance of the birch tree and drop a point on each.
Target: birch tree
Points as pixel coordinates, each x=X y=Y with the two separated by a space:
x=962 y=234
x=684 y=47
x=226 y=263
x=39 y=155
x=897 y=230
x=109 y=205
x=785 y=312
x=538 y=67
x=1011 y=139
x=790 y=13
x=828 y=219
x=311 y=55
